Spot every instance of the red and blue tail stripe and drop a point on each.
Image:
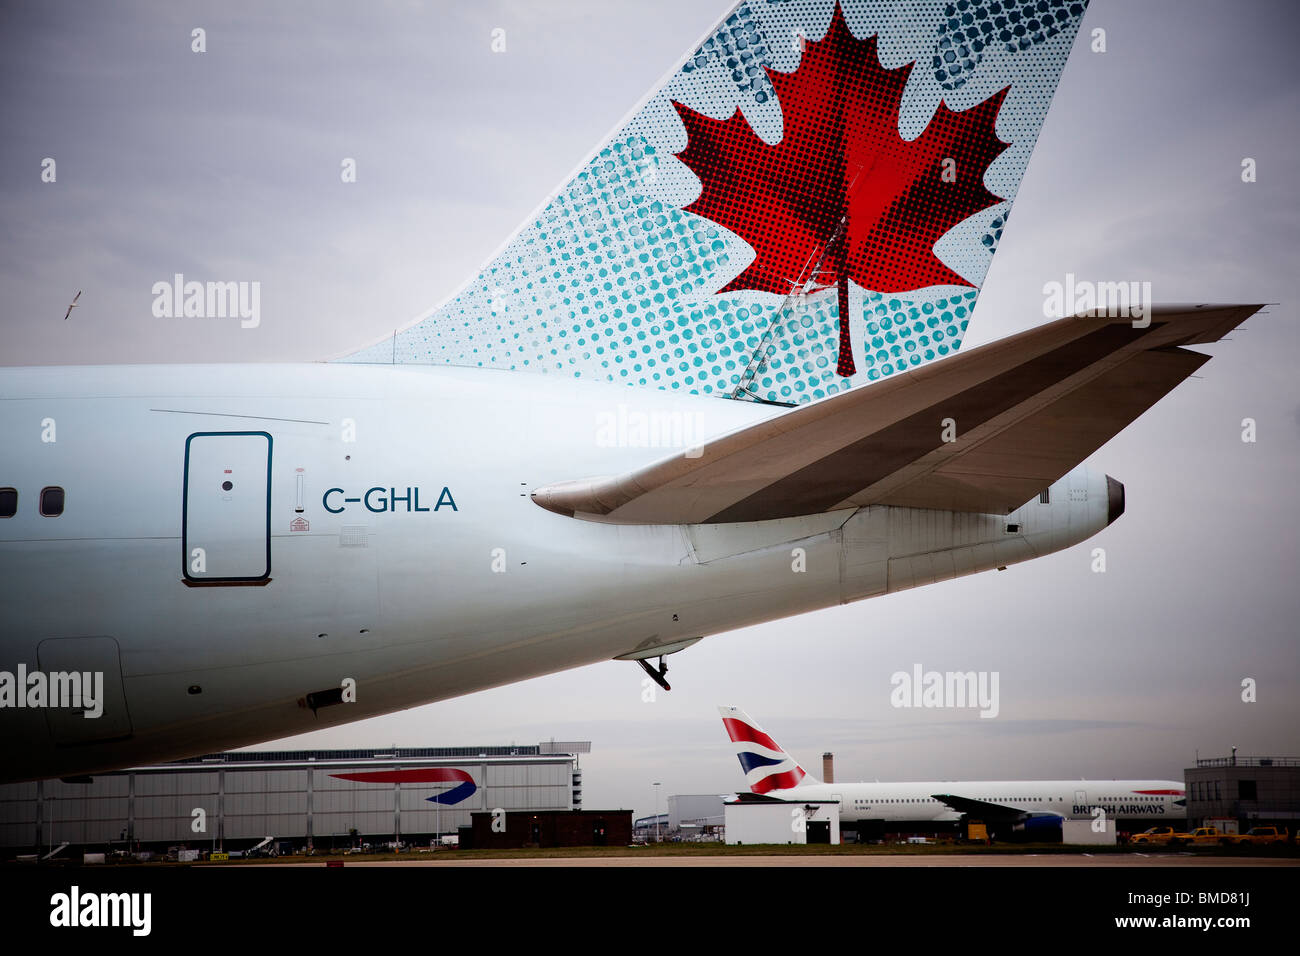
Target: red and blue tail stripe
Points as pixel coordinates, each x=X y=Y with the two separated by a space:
x=766 y=766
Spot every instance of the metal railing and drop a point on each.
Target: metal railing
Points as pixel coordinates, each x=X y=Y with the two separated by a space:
x=1248 y=762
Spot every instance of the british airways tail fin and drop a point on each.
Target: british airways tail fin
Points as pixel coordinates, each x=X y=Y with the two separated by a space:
x=767 y=767
x=810 y=200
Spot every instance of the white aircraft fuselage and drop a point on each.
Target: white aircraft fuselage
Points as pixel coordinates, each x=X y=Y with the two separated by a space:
x=405 y=554
x=1071 y=799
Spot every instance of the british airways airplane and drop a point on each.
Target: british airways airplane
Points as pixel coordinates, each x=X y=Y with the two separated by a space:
x=716 y=379
x=1025 y=805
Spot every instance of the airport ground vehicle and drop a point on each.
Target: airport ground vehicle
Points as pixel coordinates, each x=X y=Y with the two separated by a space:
x=1201 y=836
x=1155 y=836
x=266 y=848
x=1260 y=836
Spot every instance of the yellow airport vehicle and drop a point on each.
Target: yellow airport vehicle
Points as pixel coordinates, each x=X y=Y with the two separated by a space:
x=1201 y=836
x=1155 y=836
x=1260 y=836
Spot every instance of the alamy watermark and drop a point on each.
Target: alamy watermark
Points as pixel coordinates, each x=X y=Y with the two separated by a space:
x=631 y=428
x=128 y=910
x=79 y=690
x=1129 y=300
x=179 y=299
x=946 y=689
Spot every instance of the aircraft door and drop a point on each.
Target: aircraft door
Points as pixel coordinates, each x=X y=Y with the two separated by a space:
x=95 y=665
x=226 y=516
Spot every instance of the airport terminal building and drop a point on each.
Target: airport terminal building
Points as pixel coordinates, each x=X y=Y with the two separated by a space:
x=317 y=798
x=1248 y=790
x=690 y=818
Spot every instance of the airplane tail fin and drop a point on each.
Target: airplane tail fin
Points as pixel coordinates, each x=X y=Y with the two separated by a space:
x=809 y=200
x=767 y=767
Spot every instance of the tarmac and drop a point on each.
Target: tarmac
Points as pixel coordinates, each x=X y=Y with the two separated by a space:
x=1108 y=860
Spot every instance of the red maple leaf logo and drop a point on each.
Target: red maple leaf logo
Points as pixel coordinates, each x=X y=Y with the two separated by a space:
x=842 y=196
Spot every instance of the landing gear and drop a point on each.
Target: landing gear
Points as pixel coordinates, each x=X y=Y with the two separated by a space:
x=656 y=675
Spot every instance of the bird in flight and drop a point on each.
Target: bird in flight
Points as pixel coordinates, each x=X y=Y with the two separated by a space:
x=72 y=306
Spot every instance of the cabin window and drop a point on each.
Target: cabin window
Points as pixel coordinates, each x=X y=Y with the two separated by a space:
x=8 y=502
x=51 y=502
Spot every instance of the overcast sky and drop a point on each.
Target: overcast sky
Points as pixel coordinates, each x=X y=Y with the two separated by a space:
x=227 y=164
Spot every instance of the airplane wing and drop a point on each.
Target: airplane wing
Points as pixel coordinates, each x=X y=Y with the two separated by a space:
x=983 y=431
x=981 y=809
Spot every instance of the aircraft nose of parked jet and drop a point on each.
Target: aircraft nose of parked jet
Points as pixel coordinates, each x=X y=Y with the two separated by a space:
x=1114 y=499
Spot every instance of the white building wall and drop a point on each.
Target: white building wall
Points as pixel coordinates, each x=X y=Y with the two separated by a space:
x=750 y=823
x=1081 y=831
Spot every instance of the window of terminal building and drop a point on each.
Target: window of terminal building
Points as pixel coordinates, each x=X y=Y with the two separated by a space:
x=1246 y=790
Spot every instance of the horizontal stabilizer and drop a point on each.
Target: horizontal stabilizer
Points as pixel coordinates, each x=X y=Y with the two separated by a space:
x=983 y=431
